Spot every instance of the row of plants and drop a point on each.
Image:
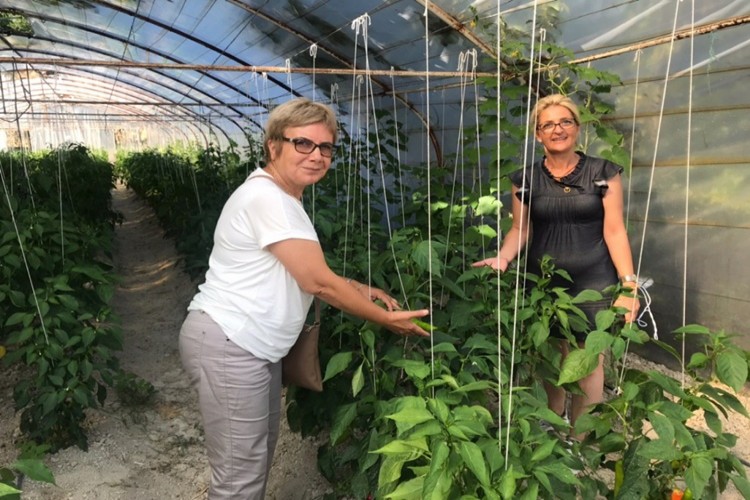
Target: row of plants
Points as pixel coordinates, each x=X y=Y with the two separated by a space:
x=460 y=415
x=57 y=328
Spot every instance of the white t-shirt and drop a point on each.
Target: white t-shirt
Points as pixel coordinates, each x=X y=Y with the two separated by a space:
x=248 y=292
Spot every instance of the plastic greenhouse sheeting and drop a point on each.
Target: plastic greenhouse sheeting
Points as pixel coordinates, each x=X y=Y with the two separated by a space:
x=683 y=98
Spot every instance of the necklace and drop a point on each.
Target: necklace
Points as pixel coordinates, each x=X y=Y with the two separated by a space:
x=566 y=170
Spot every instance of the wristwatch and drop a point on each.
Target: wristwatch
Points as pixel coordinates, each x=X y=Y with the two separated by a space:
x=629 y=278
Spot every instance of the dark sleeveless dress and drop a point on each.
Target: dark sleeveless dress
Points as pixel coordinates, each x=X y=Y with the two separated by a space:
x=567 y=223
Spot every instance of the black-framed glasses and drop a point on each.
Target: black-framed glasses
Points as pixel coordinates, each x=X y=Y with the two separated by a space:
x=565 y=124
x=306 y=146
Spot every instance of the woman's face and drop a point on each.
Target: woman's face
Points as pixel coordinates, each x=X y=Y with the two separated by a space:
x=298 y=169
x=555 y=131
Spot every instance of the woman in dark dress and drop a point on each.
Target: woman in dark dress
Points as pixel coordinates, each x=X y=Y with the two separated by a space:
x=572 y=207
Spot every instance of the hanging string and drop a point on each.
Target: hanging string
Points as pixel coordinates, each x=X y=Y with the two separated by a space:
x=314 y=55
x=646 y=295
x=637 y=60
x=655 y=155
x=687 y=188
x=523 y=223
x=429 y=177
x=467 y=63
x=288 y=66
x=398 y=150
x=498 y=220
x=353 y=152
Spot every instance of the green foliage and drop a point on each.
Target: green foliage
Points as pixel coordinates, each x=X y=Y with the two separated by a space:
x=55 y=239
x=28 y=464
x=12 y=23
x=133 y=390
x=187 y=190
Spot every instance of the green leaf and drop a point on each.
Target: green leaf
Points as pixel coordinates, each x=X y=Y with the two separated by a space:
x=6 y=490
x=731 y=368
x=423 y=254
x=342 y=420
x=68 y=302
x=438 y=480
x=19 y=317
x=698 y=474
x=598 y=341
x=409 y=417
x=577 y=365
x=358 y=380
x=487 y=205
x=337 y=364
x=543 y=451
x=390 y=468
x=587 y=296
x=34 y=469
x=473 y=459
x=694 y=329
x=409 y=490
x=508 y=483
x=414 y=446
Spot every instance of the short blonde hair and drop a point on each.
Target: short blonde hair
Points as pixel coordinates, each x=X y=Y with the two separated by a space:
x=297 y=113
x=555 y=100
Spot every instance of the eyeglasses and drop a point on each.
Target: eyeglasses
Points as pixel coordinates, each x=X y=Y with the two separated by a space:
x=548 y=127
x=306 y=146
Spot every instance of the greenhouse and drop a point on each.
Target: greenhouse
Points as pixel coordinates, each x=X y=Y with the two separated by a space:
x=132 y=128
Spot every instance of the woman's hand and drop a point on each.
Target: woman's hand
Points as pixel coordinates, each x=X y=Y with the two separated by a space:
x=629 y=300
x=497 y=263
x=400 y=322
x=373 y=294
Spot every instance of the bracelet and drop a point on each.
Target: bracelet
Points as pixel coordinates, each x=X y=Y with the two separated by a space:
x=629 y=278
x=358 y=288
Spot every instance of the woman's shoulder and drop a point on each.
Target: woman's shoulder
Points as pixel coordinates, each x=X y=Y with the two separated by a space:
x=600 y=168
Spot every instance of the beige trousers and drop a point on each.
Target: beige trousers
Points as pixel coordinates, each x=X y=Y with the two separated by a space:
x=239 y=397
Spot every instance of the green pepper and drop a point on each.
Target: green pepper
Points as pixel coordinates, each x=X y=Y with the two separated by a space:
x=423 y=325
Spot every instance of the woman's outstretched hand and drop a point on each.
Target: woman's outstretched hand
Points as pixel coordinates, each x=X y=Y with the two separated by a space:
x=497 y=263
x=401 y=322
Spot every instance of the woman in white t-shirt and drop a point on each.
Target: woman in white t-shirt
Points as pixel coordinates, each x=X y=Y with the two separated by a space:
x=265 y=267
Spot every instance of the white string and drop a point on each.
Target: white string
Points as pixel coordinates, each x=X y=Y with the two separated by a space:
x=288 y=66
x=398 y=149
x=656 y=150
x=498 y=218
x=314 y=55
x=687 y=187
x=637 y=60
x=646 y=295
x=429 y=176
x=522 y=227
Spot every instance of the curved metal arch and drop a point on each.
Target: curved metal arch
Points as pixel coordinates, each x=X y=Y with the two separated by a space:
x=346 y=63
x=129 y=86
x=130 y=74
x=194 y=39
x=105 y=34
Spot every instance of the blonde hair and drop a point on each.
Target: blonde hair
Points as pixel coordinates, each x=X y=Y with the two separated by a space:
x=297 y=113
x=555 y=100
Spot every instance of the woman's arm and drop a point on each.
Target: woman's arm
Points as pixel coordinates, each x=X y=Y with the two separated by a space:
x=618 y=244
x=305 y=261
x=515 y=240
